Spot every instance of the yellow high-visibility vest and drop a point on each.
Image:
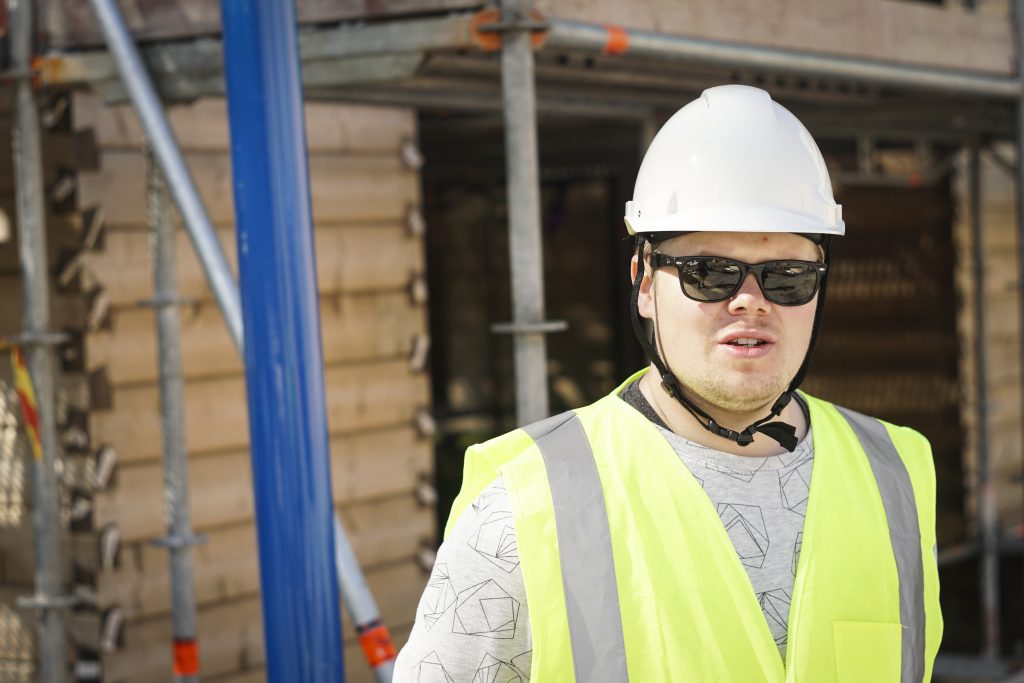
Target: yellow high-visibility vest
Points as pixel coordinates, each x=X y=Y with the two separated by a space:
x=630 y=574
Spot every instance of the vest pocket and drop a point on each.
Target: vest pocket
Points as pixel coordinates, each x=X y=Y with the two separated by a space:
x=867 y=651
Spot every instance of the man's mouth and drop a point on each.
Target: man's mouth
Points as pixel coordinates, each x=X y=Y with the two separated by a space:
x=746 y=341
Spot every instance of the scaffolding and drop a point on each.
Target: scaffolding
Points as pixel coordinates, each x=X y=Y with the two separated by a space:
x=448 y=60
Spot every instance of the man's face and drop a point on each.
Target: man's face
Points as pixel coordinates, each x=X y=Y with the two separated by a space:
x=694 y=337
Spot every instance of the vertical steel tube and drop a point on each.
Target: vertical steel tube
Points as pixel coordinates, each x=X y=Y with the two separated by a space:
x=524 y=214
x=172 y=401
x=165 y=147
x=989 y=579
x=362 y=608
x=32 y=252
x=283 y=357
x=524 y=230
x=1018 y=18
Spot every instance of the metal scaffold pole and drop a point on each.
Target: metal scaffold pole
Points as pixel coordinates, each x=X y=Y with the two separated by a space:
x=172 y=407
x=362 y=607
x=524 y=229
x=1018 y=19
x=172 y=163
x=989 y=583
x=49 y=599
x=283 y=356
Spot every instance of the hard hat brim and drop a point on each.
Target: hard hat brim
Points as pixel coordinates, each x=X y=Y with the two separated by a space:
x=735 y=219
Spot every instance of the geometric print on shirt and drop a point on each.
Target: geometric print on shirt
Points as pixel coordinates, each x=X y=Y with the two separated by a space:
x=762 y=503
x=472 y=624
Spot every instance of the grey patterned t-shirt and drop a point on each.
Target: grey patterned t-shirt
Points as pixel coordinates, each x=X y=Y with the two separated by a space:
x=472 y=622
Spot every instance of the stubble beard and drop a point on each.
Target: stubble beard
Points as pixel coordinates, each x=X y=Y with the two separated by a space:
x=736 y=396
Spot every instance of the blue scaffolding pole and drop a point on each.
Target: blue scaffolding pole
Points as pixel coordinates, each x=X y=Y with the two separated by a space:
x=283 y=357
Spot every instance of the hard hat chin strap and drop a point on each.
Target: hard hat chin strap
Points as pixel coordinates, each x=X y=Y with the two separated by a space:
x=782 y=432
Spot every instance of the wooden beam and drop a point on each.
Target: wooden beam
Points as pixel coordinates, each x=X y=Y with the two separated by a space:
x=226 y=567
x=354 y=327
x=203 y=126
x=359 y=397
x=231 y=633
x=350 y=258
x=364 y=465
x=343 y=188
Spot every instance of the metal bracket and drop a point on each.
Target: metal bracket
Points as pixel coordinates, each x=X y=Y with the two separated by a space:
x=42 y=601
x=179 y=542
x=164 y=301
x=543 y=327
x=41 y=339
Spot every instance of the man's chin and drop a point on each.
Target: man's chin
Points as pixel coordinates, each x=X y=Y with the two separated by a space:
x=745 y=395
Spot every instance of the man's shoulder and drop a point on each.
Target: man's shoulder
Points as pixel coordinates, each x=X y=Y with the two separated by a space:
x=913 y=447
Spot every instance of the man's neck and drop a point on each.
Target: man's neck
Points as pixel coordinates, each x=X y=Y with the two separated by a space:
x=680 y=421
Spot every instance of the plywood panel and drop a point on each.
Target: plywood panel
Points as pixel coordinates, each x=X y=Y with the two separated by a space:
x=363 y=466
x=358 y=397
x=354 y=327
x=355 y=258
x=203 y=126
x=343 y=188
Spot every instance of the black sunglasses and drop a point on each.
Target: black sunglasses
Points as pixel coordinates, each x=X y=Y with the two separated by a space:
x=714 y=278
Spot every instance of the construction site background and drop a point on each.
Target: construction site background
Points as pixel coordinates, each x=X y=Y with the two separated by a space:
x=408 y=183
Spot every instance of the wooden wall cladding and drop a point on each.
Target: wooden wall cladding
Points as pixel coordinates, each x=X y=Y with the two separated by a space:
x=370 y=272
x=71 y=23
x=888 y=30
x=888 y=345
x=1001 y=283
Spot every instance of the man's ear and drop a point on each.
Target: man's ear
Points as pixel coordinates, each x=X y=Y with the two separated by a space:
x=645 y=300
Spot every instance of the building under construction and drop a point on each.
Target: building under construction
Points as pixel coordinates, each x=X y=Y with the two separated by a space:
x=445 y=315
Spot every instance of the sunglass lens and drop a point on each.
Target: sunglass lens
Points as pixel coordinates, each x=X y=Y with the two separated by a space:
x=789 y=284
x=709 y=279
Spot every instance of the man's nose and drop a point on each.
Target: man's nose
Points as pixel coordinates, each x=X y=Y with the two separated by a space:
x=749 y=298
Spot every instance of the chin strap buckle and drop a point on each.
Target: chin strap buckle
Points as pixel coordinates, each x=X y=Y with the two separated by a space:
x=742 y=438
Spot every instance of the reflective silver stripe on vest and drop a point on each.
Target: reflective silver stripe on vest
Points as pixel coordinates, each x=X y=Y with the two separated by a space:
x=901 y=512
x=585 y=546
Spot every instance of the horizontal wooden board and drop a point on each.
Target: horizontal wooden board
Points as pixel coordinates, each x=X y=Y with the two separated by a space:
x=364 y=465
x=203 y=126
x=343 y=188
x=67 y=311
x=885 y=30
x=356 y=668
x=354 y=258
x=353 y=327
x=358 y=397
x=231 y=633
x=72 y=23
x=226 y=567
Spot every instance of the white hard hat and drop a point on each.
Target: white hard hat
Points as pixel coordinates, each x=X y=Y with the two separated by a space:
x=734 y=160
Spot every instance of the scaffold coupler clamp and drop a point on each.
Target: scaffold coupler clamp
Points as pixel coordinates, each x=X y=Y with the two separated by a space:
x=487 y=27
x=35 y=339
x=44 y=602
x=163 y=301
x=541 y=327
x=179 y=542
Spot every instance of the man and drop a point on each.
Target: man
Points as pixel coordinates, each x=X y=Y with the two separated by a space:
x=670 y=531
